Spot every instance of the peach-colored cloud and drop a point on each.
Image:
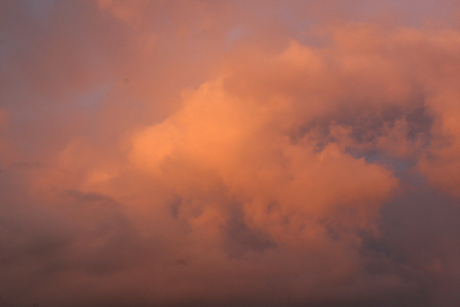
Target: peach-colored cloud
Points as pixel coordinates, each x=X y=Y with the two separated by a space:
x=243 y=143
x=247 y=153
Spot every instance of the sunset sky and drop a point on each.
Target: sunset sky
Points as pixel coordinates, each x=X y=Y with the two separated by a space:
x=229 y=153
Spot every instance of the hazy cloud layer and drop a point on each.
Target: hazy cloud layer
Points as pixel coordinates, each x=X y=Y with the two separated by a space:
x=204 y=153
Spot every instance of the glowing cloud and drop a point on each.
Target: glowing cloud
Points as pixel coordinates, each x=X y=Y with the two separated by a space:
x=259 y=153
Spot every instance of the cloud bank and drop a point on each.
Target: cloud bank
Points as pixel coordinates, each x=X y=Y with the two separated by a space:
x=201 y=153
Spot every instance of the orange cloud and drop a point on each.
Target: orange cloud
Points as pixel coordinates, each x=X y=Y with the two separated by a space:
x=249 y=153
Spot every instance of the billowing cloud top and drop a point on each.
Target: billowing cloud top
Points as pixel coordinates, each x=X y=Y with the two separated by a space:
x=203 y=153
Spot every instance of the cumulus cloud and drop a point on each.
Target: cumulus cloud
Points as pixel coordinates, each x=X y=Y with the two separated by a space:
x=239 y=153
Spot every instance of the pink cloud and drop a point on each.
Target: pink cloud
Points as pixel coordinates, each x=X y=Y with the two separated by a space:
x=150 y=155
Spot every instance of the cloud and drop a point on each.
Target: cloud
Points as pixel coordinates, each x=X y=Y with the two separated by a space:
x=241 y=154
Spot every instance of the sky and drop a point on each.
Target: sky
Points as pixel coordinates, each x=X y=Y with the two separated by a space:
x=229 y=153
